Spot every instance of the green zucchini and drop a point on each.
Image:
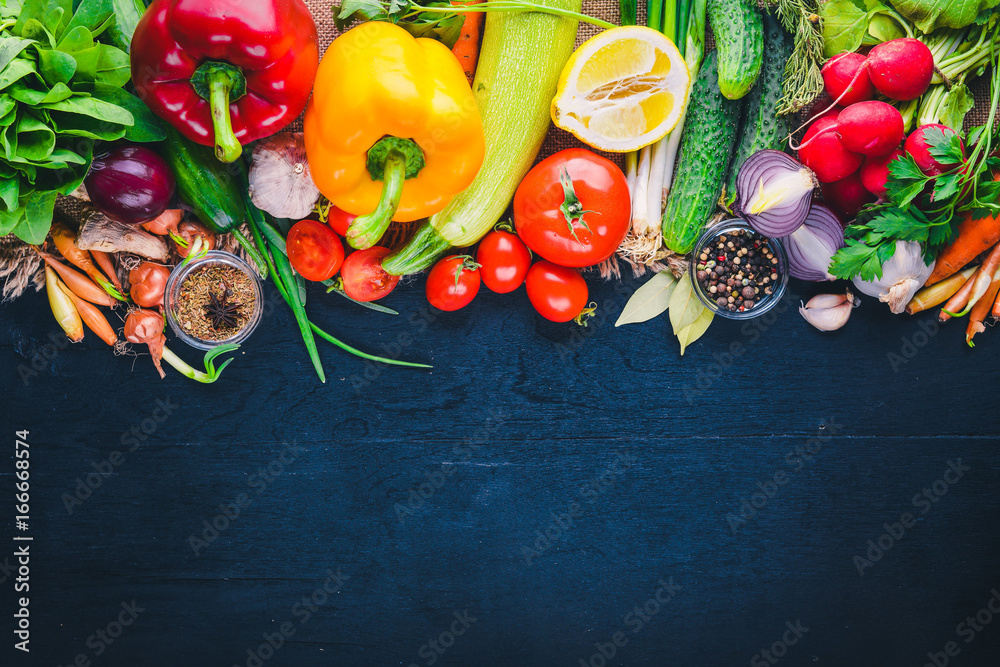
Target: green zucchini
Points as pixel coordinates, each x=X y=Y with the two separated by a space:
x=706 y=144
x=215 y=191
x=762 y=127
x=520 y=61
x=739 y=38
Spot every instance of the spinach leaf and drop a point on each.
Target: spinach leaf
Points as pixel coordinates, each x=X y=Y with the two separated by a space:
x=77 y=125
x=15 y=71
x=9 y=192
x=38 y=10
x=56 y=66
x=147 y=125
x=93 y=107
x=38 y=210
x=11 y=47
x=113 y=66
x=35 y=139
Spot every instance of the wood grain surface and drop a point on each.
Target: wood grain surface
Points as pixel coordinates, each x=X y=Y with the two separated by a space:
x=543 y=482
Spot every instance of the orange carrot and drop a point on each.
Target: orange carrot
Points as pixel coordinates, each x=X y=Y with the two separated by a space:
x=960 y=298
x=975 y=235
x=466 y=49
x=982 y=309
x=980 y=283
x=92 y=317
x=81 y=285
x=65 y=241
x=107 y=264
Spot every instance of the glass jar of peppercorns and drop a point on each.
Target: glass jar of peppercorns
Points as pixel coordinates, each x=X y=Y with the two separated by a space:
x=737 y=272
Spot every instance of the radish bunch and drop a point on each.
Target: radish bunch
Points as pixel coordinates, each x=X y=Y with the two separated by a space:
x=850 y=145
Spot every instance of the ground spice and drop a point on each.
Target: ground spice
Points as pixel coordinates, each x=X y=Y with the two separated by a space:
x=738 y=270
x=215 y=302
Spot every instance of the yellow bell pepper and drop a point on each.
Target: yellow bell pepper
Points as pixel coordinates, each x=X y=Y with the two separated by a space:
x=392 y=131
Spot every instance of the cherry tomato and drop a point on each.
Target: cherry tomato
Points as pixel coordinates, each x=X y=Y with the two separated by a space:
x=314 y=250
x=573 y=208
x=339 y=220
x=504 y=260
x=363 y=276
x=453 y=282
x=558 y=293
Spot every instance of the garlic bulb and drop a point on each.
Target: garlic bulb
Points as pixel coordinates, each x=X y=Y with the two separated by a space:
x=902 y=276
x=828 y=312
x=280 y=180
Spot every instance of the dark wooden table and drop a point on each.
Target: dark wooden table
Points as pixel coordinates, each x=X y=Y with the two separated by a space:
x=547 y=495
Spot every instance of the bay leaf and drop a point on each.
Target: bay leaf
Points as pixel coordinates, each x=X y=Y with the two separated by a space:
x=696 y=329
x=684 y=304
x=649 y=300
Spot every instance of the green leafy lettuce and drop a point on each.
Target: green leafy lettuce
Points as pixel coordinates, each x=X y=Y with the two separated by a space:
x=62 y=78
x=847 y=24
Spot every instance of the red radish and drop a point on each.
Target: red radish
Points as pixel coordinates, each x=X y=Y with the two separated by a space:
x=875 y=172
x=901 y=69
x=822 y=151
x=847 y=196
x=846 y=79
x=916 y=145
x=870 y=128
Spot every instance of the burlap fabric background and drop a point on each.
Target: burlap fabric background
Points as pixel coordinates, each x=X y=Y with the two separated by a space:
x=12 y=251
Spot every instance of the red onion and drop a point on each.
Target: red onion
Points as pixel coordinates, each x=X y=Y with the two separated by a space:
x=811 y=247
x=130 y=183
x=773 y=192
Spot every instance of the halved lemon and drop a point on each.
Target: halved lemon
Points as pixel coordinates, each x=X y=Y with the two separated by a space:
x=622 y=89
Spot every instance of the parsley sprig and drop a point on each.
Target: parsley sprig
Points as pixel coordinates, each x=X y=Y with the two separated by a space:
x=923 y=208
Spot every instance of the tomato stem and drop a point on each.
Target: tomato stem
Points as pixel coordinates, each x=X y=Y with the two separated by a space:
x=572 y=208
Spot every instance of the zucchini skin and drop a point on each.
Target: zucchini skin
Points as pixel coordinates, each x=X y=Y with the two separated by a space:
x=739 y=38
x=762 y=127
x=520 y=62
x=215 y=191
x=706 y=144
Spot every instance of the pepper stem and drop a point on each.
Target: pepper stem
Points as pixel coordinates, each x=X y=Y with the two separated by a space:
x=366 y=230
x=391 y=160
x=227 y=146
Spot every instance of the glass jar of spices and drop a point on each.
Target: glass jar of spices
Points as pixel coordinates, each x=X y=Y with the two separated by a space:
x=737 y=272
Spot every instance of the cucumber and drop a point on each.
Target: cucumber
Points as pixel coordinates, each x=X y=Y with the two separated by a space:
x=739 y=38
x=520 y=61
x=706 y=144
x=215 y=191
x=762 y=128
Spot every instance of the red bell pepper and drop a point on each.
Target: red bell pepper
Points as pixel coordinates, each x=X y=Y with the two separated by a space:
x=225 y=72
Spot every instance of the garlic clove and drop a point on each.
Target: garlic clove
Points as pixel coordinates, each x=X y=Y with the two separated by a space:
x=280 y=180
x=828 y=312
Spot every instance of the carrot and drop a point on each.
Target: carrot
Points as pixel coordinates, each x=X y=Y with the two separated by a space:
x=466 y=49
x=92 y=317
x=960 y=298
x=65 y=241
x=940 y=292
x=107 y=264
x=996 y=308
x=975 y=236
x=81 y=285
x=982 y=309
x=980 y=284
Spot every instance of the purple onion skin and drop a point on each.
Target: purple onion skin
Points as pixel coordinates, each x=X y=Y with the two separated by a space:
x=776 y=222
x=824 y=223
x=130 y=183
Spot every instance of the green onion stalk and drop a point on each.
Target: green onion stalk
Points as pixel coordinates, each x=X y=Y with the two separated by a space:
x=685 y=21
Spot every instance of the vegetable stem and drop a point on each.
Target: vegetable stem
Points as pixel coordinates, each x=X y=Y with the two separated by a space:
x=211 y=373
x=251 y=250
x=512 y=6
x=366 y=230
x=227 y=146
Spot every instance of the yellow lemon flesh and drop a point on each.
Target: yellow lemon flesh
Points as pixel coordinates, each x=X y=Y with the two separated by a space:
x=622 y=90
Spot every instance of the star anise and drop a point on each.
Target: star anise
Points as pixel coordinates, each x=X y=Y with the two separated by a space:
x=220 y=310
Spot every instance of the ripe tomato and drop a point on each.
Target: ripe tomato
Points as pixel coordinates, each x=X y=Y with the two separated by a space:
x=453 y=282
x=558 y=293
x=573 y=208
x=363 y=276
x=314 y=250
x=339 y=220
x=504 y=260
